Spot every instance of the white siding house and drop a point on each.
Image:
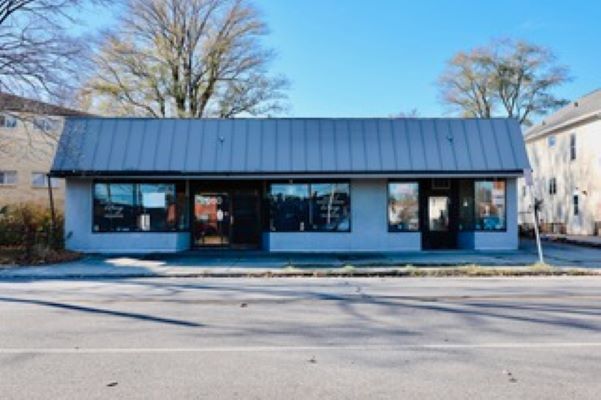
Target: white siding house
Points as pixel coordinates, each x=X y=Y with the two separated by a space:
x=565 y=154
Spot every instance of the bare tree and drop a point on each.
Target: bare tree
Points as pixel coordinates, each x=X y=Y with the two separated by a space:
x=186 y=58
x=36 y=55
x=40 y=61
x=510 y=78
x=412 y=113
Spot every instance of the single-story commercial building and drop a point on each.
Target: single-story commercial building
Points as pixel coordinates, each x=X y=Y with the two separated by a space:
x=290 y=184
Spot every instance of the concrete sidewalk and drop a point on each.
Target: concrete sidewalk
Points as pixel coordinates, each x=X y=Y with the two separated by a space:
x=581 y=240
x=243 y=263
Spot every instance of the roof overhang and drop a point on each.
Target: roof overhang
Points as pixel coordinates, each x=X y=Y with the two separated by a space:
x=279 y=176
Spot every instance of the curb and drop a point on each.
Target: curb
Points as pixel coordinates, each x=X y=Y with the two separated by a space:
x=406 y=272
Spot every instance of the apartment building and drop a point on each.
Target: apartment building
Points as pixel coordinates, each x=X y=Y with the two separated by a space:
x=29 y=132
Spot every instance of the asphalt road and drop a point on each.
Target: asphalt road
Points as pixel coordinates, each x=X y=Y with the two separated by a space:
x=524 y=338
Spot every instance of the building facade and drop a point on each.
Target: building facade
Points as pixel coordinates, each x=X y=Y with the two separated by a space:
x=565 y=152
x=29 y=133
x=340 y=185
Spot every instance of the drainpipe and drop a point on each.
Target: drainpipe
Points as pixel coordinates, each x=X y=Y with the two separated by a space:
x=52 y=213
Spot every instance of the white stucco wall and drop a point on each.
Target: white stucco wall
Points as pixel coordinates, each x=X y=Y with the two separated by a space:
x=79 y=235
x=369 y=227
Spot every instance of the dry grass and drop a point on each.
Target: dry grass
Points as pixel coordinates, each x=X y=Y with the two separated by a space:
x=16 y=255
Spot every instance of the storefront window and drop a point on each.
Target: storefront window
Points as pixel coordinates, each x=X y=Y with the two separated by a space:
x=138 y=207
x=403 y=206
x=490 y=205
x=157 y=207
x=289 y=207
x=318 y=207
x=330 y=207
x=114 y=205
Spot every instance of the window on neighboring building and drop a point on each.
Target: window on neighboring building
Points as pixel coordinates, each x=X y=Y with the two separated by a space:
x=576 y=209
x=45 y=124
x=490 y=205
x=8 y=177
x=138 y=207
x=403 y=206
x=551 y=140
x=552 y=186
x=572 y=146
x=318 y=207
x=7 y=121
x=40 y=180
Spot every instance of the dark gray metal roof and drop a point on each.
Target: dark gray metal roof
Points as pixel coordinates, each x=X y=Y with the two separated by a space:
x=121 y=146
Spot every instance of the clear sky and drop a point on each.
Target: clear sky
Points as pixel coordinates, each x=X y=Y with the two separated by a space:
x=380 y=57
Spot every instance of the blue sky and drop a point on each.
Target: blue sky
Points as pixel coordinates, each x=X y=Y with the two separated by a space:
x=379 y=57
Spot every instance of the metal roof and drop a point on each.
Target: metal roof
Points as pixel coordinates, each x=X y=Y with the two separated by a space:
x=144 y=146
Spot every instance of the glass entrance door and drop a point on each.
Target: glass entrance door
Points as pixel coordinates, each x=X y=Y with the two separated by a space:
x=438 y=213
x=439 y=199
x=212 y=219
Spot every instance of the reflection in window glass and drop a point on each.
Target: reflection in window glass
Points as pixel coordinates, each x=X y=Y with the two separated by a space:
x=490 y=205
x=289 y=207
x=403 y=206
x=438 y=213
x=330 y=207
x=157 y=207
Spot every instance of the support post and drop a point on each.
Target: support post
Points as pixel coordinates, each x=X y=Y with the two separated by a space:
x=530 y=184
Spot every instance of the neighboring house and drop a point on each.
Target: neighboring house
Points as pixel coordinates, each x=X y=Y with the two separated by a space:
x=290 y=184
x=565 y=153
x=29 y=132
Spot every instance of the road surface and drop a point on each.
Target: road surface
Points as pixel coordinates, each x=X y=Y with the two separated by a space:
x=309 y=338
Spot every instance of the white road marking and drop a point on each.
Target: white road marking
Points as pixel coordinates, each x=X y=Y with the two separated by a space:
x=258 y=349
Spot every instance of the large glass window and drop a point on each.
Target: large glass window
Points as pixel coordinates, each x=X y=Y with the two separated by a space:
x=330 y=207
x=403 y=206
x=298 y=207
x=289 y=207
x=490 y=205
x=138 y=207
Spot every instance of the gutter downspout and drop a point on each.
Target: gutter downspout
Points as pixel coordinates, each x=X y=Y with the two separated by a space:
x=52 y=213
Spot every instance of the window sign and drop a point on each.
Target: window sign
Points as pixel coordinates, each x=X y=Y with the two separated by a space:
x=153 y=200
x=330 y=207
